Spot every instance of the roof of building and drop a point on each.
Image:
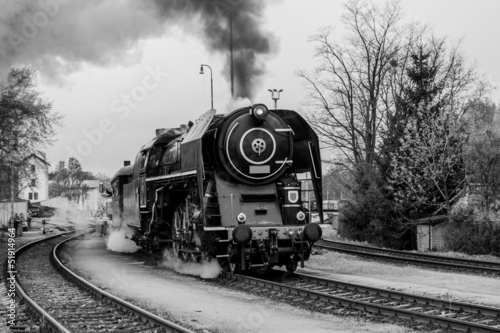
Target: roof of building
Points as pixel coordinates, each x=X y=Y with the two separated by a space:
x=433 y=220
x=91 y=183
x=37 y=156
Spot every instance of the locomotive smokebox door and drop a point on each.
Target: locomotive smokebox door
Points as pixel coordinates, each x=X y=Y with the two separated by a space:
x=255 y=152
x=291 y=201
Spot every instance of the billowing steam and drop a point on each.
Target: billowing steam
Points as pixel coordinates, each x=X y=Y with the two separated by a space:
x=67 y=211
x=237 y=103
x=61 y=36
x=205 y=270
x=119 y=241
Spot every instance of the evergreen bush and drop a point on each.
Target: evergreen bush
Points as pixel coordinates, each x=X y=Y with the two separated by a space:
x=464 y=233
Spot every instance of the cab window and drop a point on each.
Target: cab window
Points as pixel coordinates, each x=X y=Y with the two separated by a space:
x=170 y=153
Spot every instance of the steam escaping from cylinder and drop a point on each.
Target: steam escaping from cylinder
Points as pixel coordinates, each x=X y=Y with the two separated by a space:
x=60 y=37
x=205 y=270
x=119 y=241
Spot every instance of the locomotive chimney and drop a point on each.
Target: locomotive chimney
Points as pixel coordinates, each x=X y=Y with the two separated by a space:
x=160 y=131
x=125 y=163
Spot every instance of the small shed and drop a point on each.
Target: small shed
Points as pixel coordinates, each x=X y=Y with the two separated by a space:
x=20 y=206
x=430 y=233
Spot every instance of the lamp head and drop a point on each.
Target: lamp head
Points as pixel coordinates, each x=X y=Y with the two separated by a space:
x=259 y=112
x=201 y=70
x=275 y=94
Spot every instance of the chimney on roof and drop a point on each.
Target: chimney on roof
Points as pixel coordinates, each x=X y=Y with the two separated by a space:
x=125 y=163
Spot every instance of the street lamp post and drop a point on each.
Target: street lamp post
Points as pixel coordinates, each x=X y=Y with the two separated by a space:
x=211 y=82
x=275 y=95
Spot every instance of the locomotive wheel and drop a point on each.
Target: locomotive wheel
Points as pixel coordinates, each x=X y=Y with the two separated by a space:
x=291 y=267
x=193 y=257
x=184 y=256
x=231 y=266
x=155 y=244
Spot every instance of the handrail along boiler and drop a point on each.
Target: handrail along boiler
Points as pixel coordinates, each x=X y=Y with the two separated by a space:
x=225 y=187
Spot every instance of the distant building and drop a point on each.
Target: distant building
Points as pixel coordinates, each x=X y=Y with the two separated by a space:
x=34 y=181
x=91 y=198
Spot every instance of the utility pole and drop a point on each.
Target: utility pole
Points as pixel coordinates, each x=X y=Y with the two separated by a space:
x=231 y=47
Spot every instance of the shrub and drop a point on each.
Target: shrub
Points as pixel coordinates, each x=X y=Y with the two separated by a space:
x=369 y=216
x=466 y=234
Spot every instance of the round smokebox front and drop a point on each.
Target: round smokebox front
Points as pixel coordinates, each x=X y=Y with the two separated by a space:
x=255 y=151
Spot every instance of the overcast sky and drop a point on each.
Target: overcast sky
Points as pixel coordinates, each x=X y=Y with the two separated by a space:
x=160 y=67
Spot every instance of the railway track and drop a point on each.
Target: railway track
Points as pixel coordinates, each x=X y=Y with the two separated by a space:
x=457 y=264
x=336 y=297
x=61 y=301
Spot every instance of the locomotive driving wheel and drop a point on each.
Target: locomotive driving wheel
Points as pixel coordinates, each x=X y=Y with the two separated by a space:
x=233 y=267
x=292 y=267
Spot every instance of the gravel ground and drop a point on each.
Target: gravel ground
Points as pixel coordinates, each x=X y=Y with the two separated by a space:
x=447 y=285
x=52 y=227
x=203 y=305
x=26 y=238
x=407 y=278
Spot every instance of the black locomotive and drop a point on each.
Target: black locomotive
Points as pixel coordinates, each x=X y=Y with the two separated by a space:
x=225 y=187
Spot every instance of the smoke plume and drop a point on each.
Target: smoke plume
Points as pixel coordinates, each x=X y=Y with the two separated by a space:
x=250 y=41
x=59 y=37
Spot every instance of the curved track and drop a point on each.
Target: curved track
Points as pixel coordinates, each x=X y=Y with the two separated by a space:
x=336 y=297
x=71 y=304
x=479 y=266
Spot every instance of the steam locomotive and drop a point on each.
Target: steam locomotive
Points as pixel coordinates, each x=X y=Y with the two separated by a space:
x=225 y=187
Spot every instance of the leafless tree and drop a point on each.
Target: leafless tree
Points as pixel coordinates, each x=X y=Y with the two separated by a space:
x=350 y=92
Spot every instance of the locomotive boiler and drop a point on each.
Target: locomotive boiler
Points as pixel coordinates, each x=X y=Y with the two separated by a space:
x=227 y=187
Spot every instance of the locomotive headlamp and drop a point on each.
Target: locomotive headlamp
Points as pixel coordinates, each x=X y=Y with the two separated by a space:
x=259 y=111
x=301 y=216
x=241 y=218
x=242 y=234
x=312 y=232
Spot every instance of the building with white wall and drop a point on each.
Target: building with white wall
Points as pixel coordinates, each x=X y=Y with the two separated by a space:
x=91 y=198
x=34 y=181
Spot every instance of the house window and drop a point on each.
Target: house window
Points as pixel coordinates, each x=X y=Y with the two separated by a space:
x=30 y=196
x=33 y=182
x=36 y=195
x=33 y=168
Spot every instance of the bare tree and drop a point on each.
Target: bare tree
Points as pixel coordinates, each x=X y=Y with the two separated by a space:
x=350 y=91
x=68 y=181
